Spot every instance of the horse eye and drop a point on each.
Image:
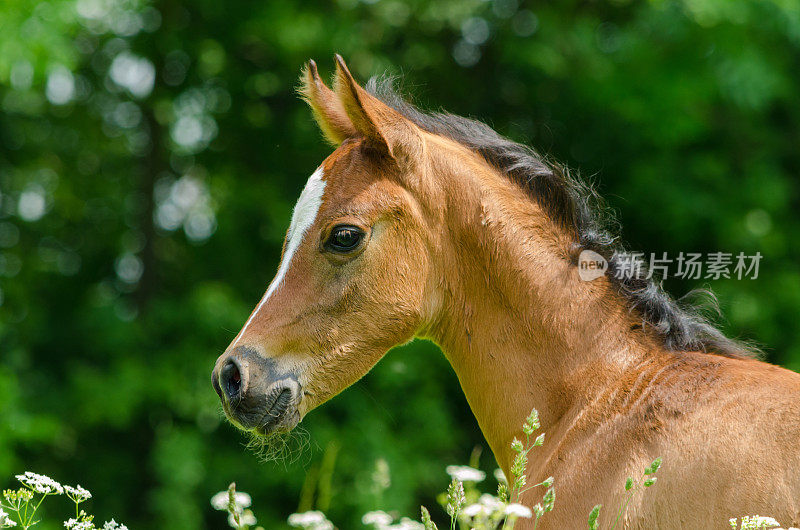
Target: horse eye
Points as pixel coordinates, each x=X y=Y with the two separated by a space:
x=344 y=238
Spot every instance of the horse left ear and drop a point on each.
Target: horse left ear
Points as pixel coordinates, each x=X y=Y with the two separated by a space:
x=382 y=126
x=325 y=105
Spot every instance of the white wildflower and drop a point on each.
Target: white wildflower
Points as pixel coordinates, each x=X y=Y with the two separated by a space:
x=765 y=522
x=246 y=518
x=473 y=510
x=492 y=503
x=377 y=518
x=755 y=522
x=306 y=518
x=5 y=520
x=315 y=520
x=407 y=524
x=40 y=483
x=465 y=473
x=500 y=477
x=242 y=499
x=220 y=500
x=113 y=525
x=78 y=524
x=77 y=494
x=518 y=510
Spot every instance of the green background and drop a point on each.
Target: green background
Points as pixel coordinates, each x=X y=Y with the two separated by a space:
x=150 y=154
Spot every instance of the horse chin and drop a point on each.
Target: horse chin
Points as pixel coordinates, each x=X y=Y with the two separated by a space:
x=281 y=441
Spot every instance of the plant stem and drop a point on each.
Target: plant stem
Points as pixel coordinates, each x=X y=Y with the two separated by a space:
x=623 y=507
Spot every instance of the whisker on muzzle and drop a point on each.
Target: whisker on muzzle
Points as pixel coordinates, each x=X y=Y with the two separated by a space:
x=283 y=447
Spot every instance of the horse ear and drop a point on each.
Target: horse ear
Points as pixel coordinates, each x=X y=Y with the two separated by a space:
x=385 y=128
x=325 y=105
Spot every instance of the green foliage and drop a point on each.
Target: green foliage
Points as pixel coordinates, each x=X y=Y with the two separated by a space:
x=426 y=519
x=593 y=516
x=631 y=487
x=141 y=216
x=455 y=501
x=520 y=465
x=467 y=507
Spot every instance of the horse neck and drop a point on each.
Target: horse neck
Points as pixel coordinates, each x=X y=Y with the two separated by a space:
x=519 y=327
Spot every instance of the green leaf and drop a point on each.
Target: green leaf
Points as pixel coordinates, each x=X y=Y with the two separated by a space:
x=593 y=515
x=502 y=492
x=549 y=499
x=426 y=519
x=653 y=467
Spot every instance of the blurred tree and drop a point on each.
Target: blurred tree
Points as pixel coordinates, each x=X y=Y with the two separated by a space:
x=150 y=153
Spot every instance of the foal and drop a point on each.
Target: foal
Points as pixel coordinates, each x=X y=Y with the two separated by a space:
x=431 y=225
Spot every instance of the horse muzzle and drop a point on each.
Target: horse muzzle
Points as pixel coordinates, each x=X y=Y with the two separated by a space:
x=254 y=394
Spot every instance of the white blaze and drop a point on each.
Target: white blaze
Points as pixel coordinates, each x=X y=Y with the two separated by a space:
x=304 y=214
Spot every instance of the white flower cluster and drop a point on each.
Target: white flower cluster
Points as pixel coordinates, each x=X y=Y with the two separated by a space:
x=381 y=520
x=234 y=502
x=489 y=511
x=518 y=510
x=465 y=473
x=756 y=522
x=486 y=505
x=246 y=518
x=113 y=525
x=21 y=502
x=377 y=518
x=312 y=520
x=79 y=524
x=5 y=520
x=77 y=493
x=85 y=523
x=241 y=499
x=41 y=483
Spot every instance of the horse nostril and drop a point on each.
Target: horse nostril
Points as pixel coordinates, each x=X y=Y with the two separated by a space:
x=215 y=383
x=231 y=379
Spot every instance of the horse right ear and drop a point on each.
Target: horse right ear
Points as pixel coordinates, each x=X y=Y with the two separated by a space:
x=328 y=110
x=382 y=126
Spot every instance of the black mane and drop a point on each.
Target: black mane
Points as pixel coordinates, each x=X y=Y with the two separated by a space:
x=577 y=208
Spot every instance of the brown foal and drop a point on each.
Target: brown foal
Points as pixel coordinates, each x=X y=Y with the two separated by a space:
x=430 y=225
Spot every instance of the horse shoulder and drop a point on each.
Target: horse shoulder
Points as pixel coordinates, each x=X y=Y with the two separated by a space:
x=727 y=430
